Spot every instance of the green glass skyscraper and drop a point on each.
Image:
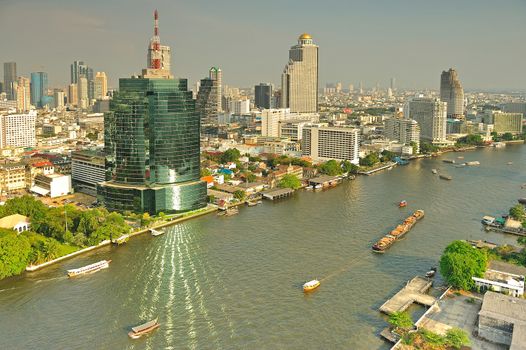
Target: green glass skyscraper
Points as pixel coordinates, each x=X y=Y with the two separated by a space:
x=152 y=144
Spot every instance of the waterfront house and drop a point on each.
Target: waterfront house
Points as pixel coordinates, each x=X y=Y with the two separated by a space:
x=502 y=277
x=17 y=222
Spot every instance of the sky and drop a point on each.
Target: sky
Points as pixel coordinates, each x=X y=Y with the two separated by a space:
x=367 y=40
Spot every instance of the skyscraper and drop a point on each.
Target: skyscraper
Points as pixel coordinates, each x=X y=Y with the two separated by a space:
x=263 y=96
x=73 y=97
x=82 y=92
x=101 y=86
x=452 y=93
x=217 y=75
x=38 y=88
x=209 y=97
x=79 y=69
x=299 y=81
x=151 y=137
x=430 y=114
x=10 y=79
x=23 y=94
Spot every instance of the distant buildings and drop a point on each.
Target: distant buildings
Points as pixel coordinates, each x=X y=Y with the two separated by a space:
x=323 y=143
x=263 y=96
x=39 y=84
x=73 y=97
x=209 y=96
x=430 y=114
x=515 y=107
x=152 y=145
x=299 y=81
x=101 y=86
x=405 y=131
x=452 y=93
x=240 y=106
x=23 y=94
x=504 y=122
x=79 y=69
x=18 y=130
x=10 y=79
x=270 y=119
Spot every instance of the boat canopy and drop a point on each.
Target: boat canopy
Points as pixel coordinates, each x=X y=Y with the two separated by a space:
x=144 y=326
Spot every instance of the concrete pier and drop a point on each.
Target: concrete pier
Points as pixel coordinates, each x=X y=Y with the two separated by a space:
x=413 y=292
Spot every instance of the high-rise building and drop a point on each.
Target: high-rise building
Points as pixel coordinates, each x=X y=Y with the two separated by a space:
x=87 y=170
x=59 y=99
x=299 y=81
x=79 y=69
x=10 y=79
x=405 y=131
x=515 y=107
x=393 y=84
x=101 y=86
x=323 y=143
x=18 y=130
x=351 y=88
x=38 y=88
x=452 y=93
x=151 y=143
x=209 y=97
x=23 y=94
x=430 y=113
x=270 y=119
x=73 y=97
x=263 y=96
x=240 y=106
x=504 y=122
x=82 y=91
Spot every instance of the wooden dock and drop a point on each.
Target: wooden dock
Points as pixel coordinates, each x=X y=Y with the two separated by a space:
x=413 y=292
x=277 y=193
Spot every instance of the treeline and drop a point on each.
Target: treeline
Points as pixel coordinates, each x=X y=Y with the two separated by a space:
x=54 y=232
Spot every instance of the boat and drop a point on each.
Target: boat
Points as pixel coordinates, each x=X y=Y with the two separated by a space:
x=445 y=177
x=434 y=171
x=402 y=204
x=475 y=162
x=510 y=163
x=156 y=233
x=103 y=264
x=449 y=161
x=431 y=272
x=231 y=211
x=398 y=232
x=522 y=201
x=121 y=240
x=460 y=157
x=252 y=204
x=145 y=328
x=499 y=144
x=311 y=285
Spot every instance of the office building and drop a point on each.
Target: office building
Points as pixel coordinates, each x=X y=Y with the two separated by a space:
x=209 y=97
x=151 y=144
x=270 y=119
x=87 y=170
x=322 y=143
x=79 y=69
x=18 y=130
x=430 y=114
x=292 y=129
x=504 y=122
x=405 y=131
x=299 y=81
x=515 y=107
x=82 y=91
x=10 y=79
x=452 y=93
x=240 y=106
x=23 y=94
x=101 y=86
x=38 y=89
x=58 y=97
x=12 y=177
x=73 y=98
x=393 y=84
x=263 y=96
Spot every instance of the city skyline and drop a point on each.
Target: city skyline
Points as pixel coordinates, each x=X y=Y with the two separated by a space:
x=405 y=41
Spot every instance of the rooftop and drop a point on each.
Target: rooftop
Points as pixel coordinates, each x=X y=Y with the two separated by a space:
x=507 y=268
x=504 y=307
x=12 y=220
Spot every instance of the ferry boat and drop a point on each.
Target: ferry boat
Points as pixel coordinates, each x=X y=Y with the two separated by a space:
x=445 y=177
x=434 y=171
x=476 y=162
x=156 y=233
x=399 y=232
x=103 y=264
x=311 y=285
x=402 y=204
x=143 y=329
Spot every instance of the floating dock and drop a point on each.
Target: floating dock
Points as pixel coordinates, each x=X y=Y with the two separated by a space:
x=277 y=193
x=413 y=292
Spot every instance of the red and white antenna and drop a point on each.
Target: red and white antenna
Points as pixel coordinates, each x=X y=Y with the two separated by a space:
x=155 y=44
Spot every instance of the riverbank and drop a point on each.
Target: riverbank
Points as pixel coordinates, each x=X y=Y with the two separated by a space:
x=169 y=222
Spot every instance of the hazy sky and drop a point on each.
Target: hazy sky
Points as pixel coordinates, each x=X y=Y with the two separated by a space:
x=366 y=40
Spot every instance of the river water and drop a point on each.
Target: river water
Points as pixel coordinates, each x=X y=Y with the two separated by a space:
x=235 y=283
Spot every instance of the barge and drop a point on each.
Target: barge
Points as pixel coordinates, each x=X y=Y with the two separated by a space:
x=398 y=233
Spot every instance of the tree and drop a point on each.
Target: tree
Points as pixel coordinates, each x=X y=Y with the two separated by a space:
x=431 y=338
x=331 y=167
x=387 y=155
x=239 y=195
x=460 y=262
x=290 y=181
x=517 y=212
x=370 y=159
x=14 y=254
x=249 y=177
x=507 y=136
x=471 y=139
x=427 y=148
x=415 y=147
x=205 y=172
x=457 y=338
x=401 y=320
x=230 y=155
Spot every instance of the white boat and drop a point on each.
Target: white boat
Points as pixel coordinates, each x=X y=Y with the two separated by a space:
x=434 y=171
x=143 y=329
x=475 y=162
x=103 y=264
x=311 y=285
x=156 y=233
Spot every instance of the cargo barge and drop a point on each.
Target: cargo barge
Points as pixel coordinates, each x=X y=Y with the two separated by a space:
x=398 y=233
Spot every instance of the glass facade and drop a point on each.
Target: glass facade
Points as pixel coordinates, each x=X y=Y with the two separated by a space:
x=152 y=148
x=38 y=88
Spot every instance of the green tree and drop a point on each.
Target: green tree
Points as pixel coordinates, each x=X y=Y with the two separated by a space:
x=460 y=262
x=331 y=167
x=507 y=136
x=14 y=254
x=427 y=148
x=348 y=167
x=517 y=212
x=387 y=155
x=290 y=181
x=370 y=159
x=401 y=320
x=415 y=147
x=205 y=172
x=457 y=338
x=239 y=195
x=471 y=139
x=230 y=155
x=431 y=338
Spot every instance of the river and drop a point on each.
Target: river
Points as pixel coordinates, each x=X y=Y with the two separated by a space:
x=235 y=282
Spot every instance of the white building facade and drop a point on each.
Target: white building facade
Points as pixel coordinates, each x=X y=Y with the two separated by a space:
x=18 y=130
x=323 y=143
x=431 y=115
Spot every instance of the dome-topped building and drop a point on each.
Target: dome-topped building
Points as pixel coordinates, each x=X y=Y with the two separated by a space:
x=305 y=39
